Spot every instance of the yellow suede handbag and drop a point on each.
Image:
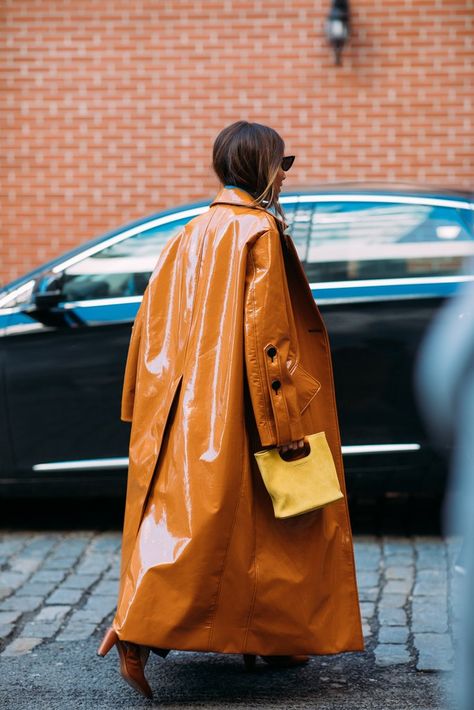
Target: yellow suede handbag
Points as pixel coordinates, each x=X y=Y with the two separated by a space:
x=303 y=484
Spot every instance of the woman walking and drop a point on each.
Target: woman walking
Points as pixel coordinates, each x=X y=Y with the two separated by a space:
x=229 y=354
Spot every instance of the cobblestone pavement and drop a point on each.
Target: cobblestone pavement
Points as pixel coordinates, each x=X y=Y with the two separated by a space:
x=62 y=587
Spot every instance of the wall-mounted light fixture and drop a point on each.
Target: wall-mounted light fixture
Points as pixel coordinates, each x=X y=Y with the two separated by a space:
x=337 y=26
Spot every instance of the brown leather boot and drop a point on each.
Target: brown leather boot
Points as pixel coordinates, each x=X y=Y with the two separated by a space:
x=132 y=661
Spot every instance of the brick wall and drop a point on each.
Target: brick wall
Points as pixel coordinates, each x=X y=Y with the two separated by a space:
x=110 y=107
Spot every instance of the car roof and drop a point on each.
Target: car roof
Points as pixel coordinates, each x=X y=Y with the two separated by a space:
x=400 y=189
x=379 y=187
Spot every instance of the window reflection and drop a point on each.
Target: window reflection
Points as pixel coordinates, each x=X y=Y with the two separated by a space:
x=122 y=269
x=363 y=240
x=336 y=241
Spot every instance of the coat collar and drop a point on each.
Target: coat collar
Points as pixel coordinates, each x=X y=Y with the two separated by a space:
x=236 y=196
x=233 y=195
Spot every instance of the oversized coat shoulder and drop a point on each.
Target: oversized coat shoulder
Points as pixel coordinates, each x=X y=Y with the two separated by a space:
x=229 y=353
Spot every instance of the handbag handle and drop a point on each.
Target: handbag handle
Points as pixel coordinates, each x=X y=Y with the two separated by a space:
x=296 y=455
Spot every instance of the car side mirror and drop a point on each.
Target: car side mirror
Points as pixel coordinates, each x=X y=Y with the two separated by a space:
x=44 y=300
x=48 y=292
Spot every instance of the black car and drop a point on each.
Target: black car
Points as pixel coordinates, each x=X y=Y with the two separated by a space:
x=380 y=260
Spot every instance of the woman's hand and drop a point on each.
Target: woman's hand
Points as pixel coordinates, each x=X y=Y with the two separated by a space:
x=292 y=445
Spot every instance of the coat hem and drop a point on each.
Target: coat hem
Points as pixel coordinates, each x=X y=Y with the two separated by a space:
x=257 y=647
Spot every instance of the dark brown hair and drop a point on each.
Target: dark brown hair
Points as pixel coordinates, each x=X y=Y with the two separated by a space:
x=248 y=155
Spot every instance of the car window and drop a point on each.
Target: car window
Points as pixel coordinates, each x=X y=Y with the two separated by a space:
x=369 y=240
x=298 y=217
x=122 y=269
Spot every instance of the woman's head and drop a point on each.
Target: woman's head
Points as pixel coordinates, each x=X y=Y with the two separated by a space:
x=249 y=156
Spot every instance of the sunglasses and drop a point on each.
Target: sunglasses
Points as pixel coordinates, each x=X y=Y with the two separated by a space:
x=287 y=162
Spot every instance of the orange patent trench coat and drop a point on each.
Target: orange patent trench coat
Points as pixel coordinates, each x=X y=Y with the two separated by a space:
x=205 y=565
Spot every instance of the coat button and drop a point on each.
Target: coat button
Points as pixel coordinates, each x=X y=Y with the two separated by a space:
x=276 y=384
x=271 y=352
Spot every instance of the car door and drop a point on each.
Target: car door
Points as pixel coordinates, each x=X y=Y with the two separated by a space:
x=63 y=365
x=379 y=267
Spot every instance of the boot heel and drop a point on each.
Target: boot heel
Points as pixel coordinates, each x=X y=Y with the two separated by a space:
x=250 y=661
x=109 y=640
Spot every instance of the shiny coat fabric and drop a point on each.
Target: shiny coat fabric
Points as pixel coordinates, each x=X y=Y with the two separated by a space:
x=229 y=354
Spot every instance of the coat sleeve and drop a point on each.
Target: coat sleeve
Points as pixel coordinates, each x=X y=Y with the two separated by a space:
x=267 y=343
x=130 y=376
